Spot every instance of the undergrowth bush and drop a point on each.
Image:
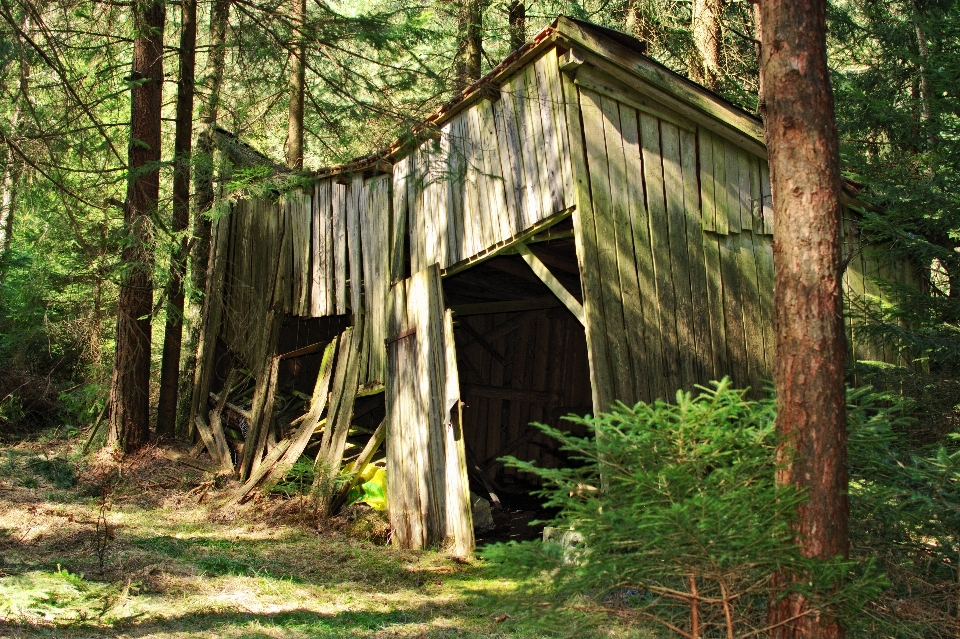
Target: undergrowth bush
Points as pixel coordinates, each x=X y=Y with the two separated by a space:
x=682 y=523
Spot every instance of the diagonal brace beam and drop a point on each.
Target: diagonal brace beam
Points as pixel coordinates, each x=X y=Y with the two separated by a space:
x=548 y=278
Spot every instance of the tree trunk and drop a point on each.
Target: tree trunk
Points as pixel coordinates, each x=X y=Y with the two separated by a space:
x=517 y=16
x=203 y=186
x=12 y=168
x=470 y=46
x=802 y=147
x=173 y=333
x=297 y=72
x=10 y=175
x=130 y=392
x=707 y=40
x=758 y=46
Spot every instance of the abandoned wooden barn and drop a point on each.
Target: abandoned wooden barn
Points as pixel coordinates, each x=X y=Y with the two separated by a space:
x=581 y=226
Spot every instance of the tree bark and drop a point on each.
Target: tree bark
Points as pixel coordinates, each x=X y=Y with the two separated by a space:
x=203 y=201
x=12 y=168
x=470 y=46
x=803 y=153
x=517 y=17
x=183 y=143
x=707 y=40
x=130 y=391
x=295 y=111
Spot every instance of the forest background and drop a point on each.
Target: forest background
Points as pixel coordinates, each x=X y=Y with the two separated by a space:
x=370 y=71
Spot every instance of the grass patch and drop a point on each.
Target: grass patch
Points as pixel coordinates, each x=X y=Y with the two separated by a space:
x=175 y=568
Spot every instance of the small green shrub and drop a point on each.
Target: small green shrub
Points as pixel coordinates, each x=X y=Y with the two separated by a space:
x=57 y=471
x=681 y=520
x=298 y=480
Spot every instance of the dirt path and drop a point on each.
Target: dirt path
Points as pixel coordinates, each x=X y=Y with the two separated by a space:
x=152 y=558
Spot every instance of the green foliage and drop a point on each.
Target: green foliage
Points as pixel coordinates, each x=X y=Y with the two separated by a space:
x=39 y=595
x=905 y=514
x=298 y=480
x=666 y=492
x=56 y=470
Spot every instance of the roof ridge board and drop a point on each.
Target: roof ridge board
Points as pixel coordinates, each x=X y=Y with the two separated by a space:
x=648 y=69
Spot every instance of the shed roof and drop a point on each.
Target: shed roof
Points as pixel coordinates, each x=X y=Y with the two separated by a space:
x=620 y=55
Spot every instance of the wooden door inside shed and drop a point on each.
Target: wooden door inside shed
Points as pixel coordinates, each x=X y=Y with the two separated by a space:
x=428 y=493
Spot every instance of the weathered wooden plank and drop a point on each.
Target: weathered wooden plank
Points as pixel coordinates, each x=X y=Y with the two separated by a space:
x=482 y=220
x=767 y=196
x=334 y=440
x=720 y=185
x=509 y=167
x=257 y=475
x=653 y=175
x=528 y=151
x=493 y=175
x=318 y=293
x=708 y=208
x=311 y=419
x=425 y=312
x=211 y=316
x=550 y=158
x=459 y=511
x=398 y=220
x=586 y=244
x=558 y=112
x=402 y=496
x=532 y=116
x=305 y=275
x=512 y=139
x=339 y=231
x=646 y=348
x=703 y=363
x=354 y=196
x=472 y=227
x=718 y=337
x=261 y=411
x=619 y=118
x=756 y=197
x=449 y=193
x=458 y=188
x=732 y=187
x=763 y=248
x=746 y=204
x=679 y=260
x=730 y=270
x=376 y=272
x=752 y=315
x=598 y=114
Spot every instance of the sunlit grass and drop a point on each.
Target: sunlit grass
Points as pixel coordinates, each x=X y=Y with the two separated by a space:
x=175 y=568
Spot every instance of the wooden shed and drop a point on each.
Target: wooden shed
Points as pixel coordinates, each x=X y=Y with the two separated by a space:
x=581 y=226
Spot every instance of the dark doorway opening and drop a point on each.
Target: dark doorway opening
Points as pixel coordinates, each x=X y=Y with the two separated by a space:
x=522 y=358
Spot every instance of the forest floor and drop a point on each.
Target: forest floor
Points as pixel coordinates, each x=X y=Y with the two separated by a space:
x=151 y=556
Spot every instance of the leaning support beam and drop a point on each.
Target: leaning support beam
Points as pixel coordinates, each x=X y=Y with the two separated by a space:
x=548 y=278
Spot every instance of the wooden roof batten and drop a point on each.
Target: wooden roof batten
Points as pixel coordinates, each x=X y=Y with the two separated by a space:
x=618 y=55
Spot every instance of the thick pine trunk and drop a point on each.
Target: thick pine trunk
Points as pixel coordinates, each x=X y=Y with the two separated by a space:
x=183 y=143
x=707 y=40
x=470 y=46
x=203 y=200
x=801 y=137
x=517 y=17
x=297 y=75
x=130 y=391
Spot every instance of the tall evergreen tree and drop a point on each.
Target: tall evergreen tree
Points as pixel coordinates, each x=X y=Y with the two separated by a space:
x=130 y=389
x=801 y=136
